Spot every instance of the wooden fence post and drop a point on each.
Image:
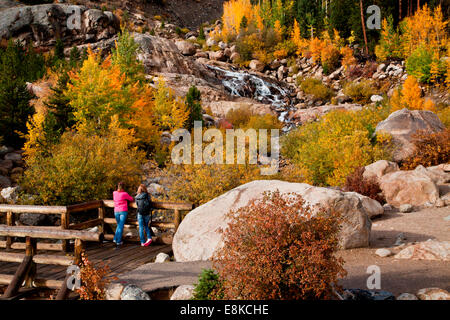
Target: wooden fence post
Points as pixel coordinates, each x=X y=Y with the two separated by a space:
x=22 y=271
x=64 y=291
x=65 y=225
x=30 y=250
x=101 y=215
x=10 y=217
x=177 y=218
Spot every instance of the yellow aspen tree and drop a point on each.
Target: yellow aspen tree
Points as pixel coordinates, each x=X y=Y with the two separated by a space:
x=278 y=30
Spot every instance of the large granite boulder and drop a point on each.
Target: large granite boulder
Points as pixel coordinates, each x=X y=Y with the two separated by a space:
x=199 y=235
x=43 y=24
x=403 y=124
x=414 y=187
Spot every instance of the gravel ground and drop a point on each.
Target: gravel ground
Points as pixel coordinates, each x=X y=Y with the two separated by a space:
x=399 y=275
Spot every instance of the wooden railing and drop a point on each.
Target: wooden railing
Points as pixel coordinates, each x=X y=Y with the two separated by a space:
x=66 y=211
x=26 y=273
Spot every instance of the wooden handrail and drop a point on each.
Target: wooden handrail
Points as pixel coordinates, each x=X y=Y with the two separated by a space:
x=85 y=206
x=49 y=233
x=183 y=206
x=32 y=209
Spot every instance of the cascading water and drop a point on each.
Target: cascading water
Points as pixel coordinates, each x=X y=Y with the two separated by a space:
x=243 y=84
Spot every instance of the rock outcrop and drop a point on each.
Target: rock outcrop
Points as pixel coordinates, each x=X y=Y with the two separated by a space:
x=43 y=24
x=403 y=124
x=199 y=235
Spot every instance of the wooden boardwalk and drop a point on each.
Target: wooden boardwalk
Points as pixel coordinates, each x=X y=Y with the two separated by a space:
x=129 y=257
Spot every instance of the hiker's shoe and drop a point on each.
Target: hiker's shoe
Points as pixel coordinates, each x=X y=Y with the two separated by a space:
x=149 y=241
x=118 y=246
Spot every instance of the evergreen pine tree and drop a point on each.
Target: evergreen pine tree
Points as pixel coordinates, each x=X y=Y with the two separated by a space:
x=193 y=98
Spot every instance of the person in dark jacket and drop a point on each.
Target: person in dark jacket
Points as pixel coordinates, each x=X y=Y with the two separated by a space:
x=144 y=215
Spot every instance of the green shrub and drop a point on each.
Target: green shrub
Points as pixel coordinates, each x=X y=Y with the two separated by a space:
x=419 y=64
x=316 y=88
x=360 y=92
x=239 y=117
x=331 y=149
x=208 y=286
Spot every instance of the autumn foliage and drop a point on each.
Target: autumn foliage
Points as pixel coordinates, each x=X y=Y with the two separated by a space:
x=369 y=187
x=430 y=149
x=94 y=280
x=276 y=248
x=410 y=97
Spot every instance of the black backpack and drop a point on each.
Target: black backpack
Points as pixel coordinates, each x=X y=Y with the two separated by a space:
x=145 y=207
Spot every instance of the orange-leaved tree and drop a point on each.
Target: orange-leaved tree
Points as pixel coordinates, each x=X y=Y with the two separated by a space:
x=410 y=97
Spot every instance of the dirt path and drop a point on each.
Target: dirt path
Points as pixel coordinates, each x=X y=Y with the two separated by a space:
x=399 y=275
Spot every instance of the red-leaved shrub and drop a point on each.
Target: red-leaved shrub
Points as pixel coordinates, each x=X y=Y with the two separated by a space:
x=94 y=280
x=368 y=187
x=276 y=248
x=430 y=149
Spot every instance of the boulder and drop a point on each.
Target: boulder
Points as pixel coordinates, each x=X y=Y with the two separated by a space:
x=13 y=156
x=5 y=182
x=314 y=113
x=376 y=98
x=6 y=164
x=221 y=108
x=114 y=291
x=435 y=173
x=199 y=234
x=407 y=296
x=256 y=65
x=186 y=48
x=428 y=250
x=365 y=295
x=235 y=57
x=406 y=208
x=133 y=292
x=383 y=252
x=408 y=187
x=403 y=124
x=217 y=55
x=211 y=42
x=32 y=219
x=162 y=257
x=9 y=194
x=433 y=294
x=378 y=169
x=371 y=206
x=184 y=292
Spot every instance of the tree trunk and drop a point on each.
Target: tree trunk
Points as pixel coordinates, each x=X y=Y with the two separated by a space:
x=399 y=10
x=363 y=25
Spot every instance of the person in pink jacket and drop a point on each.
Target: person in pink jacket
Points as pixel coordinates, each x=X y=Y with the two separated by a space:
x=121 y=199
